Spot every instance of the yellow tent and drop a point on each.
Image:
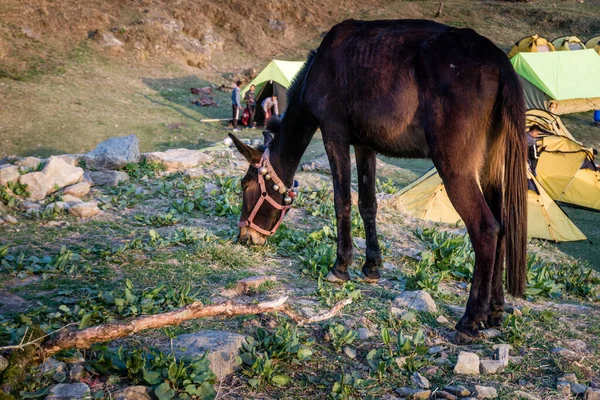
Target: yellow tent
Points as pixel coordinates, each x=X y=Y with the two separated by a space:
x=568 y=43
x=531 y=44
x=566 y=169
x=593 y=43
x=426 y=198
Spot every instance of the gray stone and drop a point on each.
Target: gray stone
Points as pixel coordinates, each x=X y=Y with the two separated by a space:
x=442 y=320
x=58 y=206
x=411 y=393
x=467 y=364
x=53 y=365
x=69 y=391
x=420 y=381
x=578 y=389
x=490 y=333
x=524 y=395
x=350 y=352
x=78 y=190
x=223 y=347
x=571 y=378
x=71 y=159
x=591 y=394
x=3 y=363
x=8 y=173
x=441 y=394
x=108 y=178
x=459 y=390
x=418 y=300
x=70 y=199
x=491 y=366
x=210 y=188
x=37 y=185
x=76 y=372
x=84 y=210
x=178 y=159
x=577 y=345
x=566 y=353
x=28 y=205
x=29 y=162
x=133 y=393
x=360 y=243
x=502 y=353
x=485 y=392
x=516 y=360
x=9 y=219
x=60 y=174
x=435 y=349
x=364 y=333
x=563 y=387
x=113 y=153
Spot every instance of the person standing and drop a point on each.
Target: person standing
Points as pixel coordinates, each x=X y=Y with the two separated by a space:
x=533 y=151
x=236 y=104
x=250 y=100
x=269 y=106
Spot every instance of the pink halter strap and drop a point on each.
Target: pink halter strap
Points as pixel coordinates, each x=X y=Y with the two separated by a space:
x=264 y=196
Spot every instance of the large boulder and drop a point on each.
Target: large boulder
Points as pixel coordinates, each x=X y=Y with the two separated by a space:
x=113 y=153
x=223 y=347
x=108 y=178
x=37 y=185
x=178 y=159
x=60 y=174
x=8 y=173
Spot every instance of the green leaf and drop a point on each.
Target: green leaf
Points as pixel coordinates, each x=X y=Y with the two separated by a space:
x=164 y=392
x=36 y=394
x=304 y=353
x=85 y=321
x=152 y=377
x=253 y=382
x=280 y=380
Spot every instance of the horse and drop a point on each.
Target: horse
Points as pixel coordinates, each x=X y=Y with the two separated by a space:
x=406 y=88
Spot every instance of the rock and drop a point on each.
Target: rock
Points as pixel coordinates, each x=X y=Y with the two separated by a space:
x=178 y=159
x=490 y=333
x=566 y=353
x=8 y=173
x=563 y=387
x=223 y=346
x=411 y=393
x=69 y=391
x=53 y=365
x=28 y=205
x=76 y=372
x=442 y=320
x=29 y=162
x=420 y=381
x=524 y=395
x=468 y=364
x=58 y=206
x=78 y=190
x=360 y=243
x=87 y=177
x=516 y=360
x=459 y=391
x=3 y=363
x=577 y=345
x=501 y=353
x=435 y=350
x=71 y=159
x=108 y=178
x=37 y=185
x=210 y=188
x=404 y=315
x=590 y=394
x=350 y=352
x=364 y=333
x=9 y=219
x=485 y=392
x=491 y=366
x=578 y=389
x=133 y=393
x=440 y=394
x=70 y=199
x=430 y=370
x=400 y=361
x=571 y=378
x=113 y=153
x=60 y=174
x=418 y=300
x=108 y=39
x=195 y=173
x=84 y=210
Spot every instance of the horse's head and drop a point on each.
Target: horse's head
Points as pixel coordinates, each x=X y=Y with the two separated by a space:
x=265 y=197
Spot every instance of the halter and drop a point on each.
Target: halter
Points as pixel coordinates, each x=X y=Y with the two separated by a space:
x=265 y=173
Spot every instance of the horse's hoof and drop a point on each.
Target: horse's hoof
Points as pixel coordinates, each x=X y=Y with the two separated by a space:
x=463 y=337
x=368 y=279
x=493 y=321
x=333 y=278
x=371 y=274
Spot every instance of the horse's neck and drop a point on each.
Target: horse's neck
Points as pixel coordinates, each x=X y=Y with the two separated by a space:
x=290 y=144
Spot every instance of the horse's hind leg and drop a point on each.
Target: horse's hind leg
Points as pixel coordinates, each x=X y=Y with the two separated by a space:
x=366 y=163
x=483 y=230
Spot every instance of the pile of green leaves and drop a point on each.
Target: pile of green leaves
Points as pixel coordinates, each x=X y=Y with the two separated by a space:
x=137 y=171
x=555 y=280
x=340 y=336
x=266 y=357
x=65 y=262
x=185 y=378
x=350 y=386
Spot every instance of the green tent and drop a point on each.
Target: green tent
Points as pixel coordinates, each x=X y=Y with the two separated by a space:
x=276 y=78
x=562 y=82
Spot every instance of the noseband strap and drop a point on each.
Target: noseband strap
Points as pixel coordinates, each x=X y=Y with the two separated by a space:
x=265 y=165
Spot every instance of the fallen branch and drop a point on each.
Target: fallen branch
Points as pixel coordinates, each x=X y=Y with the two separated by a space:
x=325 y=315
x=438 y=14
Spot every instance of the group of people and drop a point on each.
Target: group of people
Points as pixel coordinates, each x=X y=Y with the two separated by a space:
x=269 y=106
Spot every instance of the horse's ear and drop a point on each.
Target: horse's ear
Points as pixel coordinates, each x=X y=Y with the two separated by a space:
x=250 y=153
x=268 y=138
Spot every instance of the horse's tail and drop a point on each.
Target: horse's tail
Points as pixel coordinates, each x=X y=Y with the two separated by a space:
x=511 y=108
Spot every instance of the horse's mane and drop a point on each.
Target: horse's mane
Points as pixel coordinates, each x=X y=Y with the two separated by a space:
x=297 y=86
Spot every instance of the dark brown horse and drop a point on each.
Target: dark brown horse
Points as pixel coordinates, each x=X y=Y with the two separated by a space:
x=407 y=88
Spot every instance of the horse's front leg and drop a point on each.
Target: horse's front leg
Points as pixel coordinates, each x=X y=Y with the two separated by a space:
x=338 y=152
x=366 y=165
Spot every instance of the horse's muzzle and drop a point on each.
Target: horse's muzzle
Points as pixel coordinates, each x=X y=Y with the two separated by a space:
x=248 y=235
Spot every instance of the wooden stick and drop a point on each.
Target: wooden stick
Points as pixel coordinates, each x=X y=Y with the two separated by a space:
x=440 y=9
x=103 y=333
x=325 y=315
